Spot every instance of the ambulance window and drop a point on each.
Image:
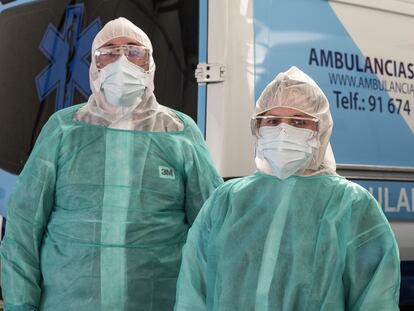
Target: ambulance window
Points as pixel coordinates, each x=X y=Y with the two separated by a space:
x=30 y=29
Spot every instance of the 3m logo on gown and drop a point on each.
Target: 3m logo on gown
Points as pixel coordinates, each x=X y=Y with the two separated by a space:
x=68 y=52
x=166 y=172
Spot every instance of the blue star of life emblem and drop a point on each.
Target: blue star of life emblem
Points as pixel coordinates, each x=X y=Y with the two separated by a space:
x=69 y=54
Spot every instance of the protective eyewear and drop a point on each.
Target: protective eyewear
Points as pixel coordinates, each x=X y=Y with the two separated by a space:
x=299 y=122
x=139 y=55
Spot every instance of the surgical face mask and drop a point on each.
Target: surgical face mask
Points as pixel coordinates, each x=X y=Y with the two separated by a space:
x=123 y=83
x=284 y=150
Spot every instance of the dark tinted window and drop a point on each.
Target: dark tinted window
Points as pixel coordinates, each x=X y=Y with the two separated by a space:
x=44 y=59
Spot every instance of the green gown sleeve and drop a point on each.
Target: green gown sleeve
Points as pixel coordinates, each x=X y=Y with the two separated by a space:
x=192 y=285
x=201 y=176
x=28 y=211
x=192 y=280
x=372 y=267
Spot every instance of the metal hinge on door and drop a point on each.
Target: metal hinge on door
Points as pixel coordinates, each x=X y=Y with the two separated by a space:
x=210 y=73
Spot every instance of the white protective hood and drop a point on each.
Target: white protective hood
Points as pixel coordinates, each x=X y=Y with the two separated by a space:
x=147 y=115
x=294 y=89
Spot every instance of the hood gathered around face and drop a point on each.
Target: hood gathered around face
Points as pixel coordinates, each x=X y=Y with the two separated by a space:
x=294 y=89
x=146 y=114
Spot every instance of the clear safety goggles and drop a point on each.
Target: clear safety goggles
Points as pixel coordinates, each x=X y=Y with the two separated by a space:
x=298 y=122
x=136 y=54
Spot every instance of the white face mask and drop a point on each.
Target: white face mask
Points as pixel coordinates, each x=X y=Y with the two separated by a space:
x=284 y=150
x=123 y=83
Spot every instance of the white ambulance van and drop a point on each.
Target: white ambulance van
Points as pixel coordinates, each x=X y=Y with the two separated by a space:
x=360 y=52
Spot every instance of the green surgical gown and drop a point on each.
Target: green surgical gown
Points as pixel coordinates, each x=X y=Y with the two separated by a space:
x=314 y=243
x=98 y=217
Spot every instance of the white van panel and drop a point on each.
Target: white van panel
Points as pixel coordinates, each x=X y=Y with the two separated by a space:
x=230 y=103
x=255 y=45
x=388 y=38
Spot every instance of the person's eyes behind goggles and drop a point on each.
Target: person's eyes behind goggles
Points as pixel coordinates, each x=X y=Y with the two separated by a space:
x=298 y=122
x=136 y=54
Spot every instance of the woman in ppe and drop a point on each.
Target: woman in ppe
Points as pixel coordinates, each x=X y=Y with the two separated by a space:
x=102 y=208
x=294 y=235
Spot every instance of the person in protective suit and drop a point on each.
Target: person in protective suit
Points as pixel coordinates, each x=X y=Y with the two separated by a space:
x=101 y=211
x=294 y=235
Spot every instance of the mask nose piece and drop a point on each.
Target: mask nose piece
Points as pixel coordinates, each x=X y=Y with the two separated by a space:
x=284 y=132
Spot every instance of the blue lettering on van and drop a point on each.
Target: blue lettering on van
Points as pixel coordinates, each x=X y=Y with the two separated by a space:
x=356 y=63
x=395 y=198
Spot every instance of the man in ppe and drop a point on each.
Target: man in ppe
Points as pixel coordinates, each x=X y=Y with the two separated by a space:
x=294 y=235
x=102 y=208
